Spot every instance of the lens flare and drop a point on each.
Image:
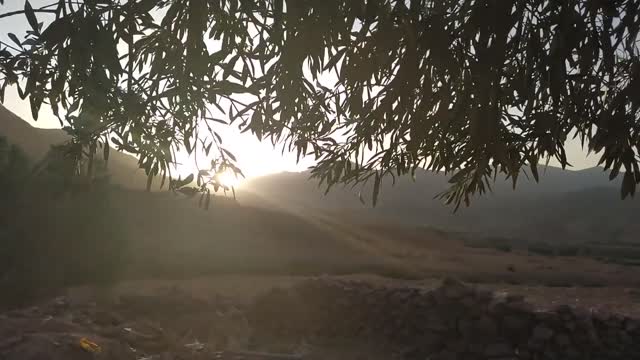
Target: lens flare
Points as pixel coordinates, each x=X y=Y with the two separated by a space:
x=229 y=179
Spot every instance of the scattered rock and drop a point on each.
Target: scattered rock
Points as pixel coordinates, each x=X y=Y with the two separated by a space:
x=453 y=321
x=65 y=346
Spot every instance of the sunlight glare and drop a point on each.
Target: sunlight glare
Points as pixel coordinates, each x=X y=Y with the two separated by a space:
x=229 y=179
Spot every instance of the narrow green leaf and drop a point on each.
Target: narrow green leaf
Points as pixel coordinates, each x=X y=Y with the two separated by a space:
x=229 y=154
x=189 y=191
x=56 y=31
x=164 y=178
x=628 y=185
x=149 y=180
x=187 y=145
x=188 y=179
x=106 y=151
x=615 y=171
x=15 y=39
x=146 y=5
x=534 y=171
x=376 y=189
x=31 y=17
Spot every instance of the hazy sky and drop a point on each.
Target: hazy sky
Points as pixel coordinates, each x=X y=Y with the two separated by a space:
x=254 y=157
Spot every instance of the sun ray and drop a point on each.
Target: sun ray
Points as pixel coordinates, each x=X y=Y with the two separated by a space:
x=229 y=179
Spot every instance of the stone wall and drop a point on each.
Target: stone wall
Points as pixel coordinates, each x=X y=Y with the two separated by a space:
x=454 y=321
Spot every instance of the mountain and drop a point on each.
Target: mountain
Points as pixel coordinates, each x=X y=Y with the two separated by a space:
x=151 y=234
x=283 y=224
x=36 y=143
x=565 y=206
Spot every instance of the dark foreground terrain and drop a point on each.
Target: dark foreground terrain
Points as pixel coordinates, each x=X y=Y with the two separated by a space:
x=355 y=317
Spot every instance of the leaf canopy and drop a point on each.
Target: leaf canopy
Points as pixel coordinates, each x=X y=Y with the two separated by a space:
x=370 y=88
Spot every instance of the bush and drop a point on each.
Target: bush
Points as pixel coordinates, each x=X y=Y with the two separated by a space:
x=51 y=239
x=60 y=242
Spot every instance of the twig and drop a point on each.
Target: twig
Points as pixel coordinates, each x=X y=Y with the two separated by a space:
x=18 y=12
x=9 y=46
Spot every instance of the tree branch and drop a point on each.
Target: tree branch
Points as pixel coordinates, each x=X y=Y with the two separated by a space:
x=9 y=46
x=18 y=12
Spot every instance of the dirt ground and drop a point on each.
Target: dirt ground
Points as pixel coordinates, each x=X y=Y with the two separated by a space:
x=243 y=288
x=200 y=318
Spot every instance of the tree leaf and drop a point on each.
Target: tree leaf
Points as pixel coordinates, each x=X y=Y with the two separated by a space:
x=146 y=5
x=15 y=39
x=376 y=189
x=188 y=179
x=534 y=170
x=187 y=144
x=106 y=150
x=57 y=31
x=164 y=178
x=615 y=170
x=31 y=17
x=149 y=180
x=628 y=185
x=189 y=191
x=229 y=154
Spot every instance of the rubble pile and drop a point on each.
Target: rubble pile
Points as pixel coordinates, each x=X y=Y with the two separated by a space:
x=315 y=317
x=453 y=321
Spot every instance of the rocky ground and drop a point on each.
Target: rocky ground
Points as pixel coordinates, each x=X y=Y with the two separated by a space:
x=319 y=318
x=166 y=325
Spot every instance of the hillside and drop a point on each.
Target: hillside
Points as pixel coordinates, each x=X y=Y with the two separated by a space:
x=566 y=206
x=123 y=231
x=282 y=224
x=36 y=142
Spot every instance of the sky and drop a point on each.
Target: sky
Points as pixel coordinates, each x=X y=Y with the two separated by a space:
x=255 y=158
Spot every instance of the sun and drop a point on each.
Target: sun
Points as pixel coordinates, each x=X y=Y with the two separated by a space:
x=229 y=179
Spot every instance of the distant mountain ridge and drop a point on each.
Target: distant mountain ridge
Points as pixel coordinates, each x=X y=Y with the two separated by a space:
x=297 y=188
x=160 y=234
x=568 y=206
x=36 y=143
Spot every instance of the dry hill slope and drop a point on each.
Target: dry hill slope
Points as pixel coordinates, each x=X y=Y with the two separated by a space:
x=36 y=142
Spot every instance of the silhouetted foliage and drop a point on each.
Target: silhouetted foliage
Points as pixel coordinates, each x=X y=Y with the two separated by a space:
x=14 y=167
x=50 y=239
x=368 y=87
